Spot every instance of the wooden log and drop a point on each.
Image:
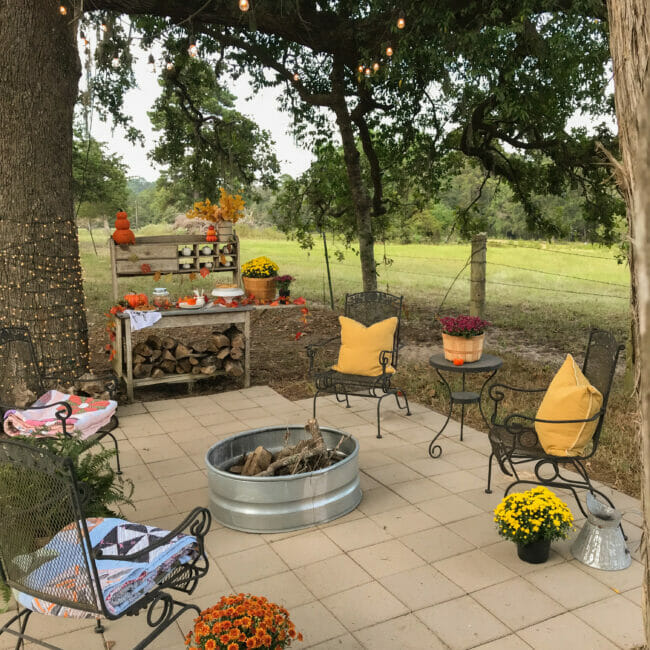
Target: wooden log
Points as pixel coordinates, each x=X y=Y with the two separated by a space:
x=223 y=353
x=185 y=365
x=294 y=460
x=312 y=428
x=143 y=349
x=237 y=340
x=138 y=359
x=154 y=342
x=221 y=340
x=168 y=366
x=142 y=370
x=236 y=353
x=182 y=351
x=157 y=372
x=257 y=461
x=233 y=368
x=168 y=356
x=199 y=346
x=156 y=354
x=207 y=361
x=205 y=370
x=194 y=361
x=196 y=370
x=168 y=342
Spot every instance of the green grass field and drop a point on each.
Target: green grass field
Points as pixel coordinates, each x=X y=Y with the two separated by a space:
x=565 y=289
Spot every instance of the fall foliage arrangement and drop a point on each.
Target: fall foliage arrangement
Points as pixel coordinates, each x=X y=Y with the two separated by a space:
x=240 y=622
x=230 y=208
x=260 y=267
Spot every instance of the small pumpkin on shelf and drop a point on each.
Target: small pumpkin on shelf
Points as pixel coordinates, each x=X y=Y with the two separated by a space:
x=135 y=300
x=211 y=235
x=123 y=234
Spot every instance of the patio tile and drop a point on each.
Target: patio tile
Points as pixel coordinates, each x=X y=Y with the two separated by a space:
x=345 y=642
x=462 y=623
x=135 y=426
x=211 y=587
x=449 y=508
x=405 y=632
x=127 y=631
x=332 y=575
x=226 y=428
x=357 y=533
x=365 y=605
x=480 y=530
x=635 y=595
x=394 y=473
x=421 y=587
x=419 y=490
x=616 y=618
x=479 y=498
x=428 y=466
x=284 y=588
x=186 y=501
x=131 y=409
x=564 y=631
x=175 y=420
x=316 y=624
x=518 y=603
x=251 y=564
x=161 y=405
x=305 y=549
x=386 y=558
x=505 y=552
x=510 y=642
x=157 y=448
x=226 y=541
x=474 y=570
x=183 y=482
x=386 y=442
x=83 y=640
x=380 y=500
x=406 y=453
x=147 y=490
x=173 y=467
x=150 y=509
x=625 y=580
x=369 y=459
x=404 y=521
x=569 y=586
x=367 y=482
x=416 y=434
x=437 y=543
x=468 y=459
x=459 y=481
x=189 y=436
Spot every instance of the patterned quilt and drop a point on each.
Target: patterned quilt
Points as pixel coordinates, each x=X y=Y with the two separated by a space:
x=58 y=567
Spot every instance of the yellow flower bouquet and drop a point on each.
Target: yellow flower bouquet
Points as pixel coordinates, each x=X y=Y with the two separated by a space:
x=532 y=516
x=260 y=267
x=230 y=208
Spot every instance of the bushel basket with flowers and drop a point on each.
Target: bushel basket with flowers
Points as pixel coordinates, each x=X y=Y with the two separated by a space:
x=241 y=622
x=462 y=337
x=259 y=276
x=533 y=519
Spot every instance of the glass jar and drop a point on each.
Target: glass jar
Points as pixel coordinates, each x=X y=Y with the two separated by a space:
x=160 y=298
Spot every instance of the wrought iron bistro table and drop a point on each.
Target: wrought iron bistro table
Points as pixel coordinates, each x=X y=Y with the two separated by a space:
x=488 y=363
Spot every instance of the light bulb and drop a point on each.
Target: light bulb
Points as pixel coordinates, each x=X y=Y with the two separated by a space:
x=367 y=72
x=104 y=27
x=63 y=10
x=401 y=23
x=170 y=65
x=193 y=50
x=244 y=5
x=115 y=62
x=296 y=76
x=375 y=66
x=389 y=51
x=360 y=68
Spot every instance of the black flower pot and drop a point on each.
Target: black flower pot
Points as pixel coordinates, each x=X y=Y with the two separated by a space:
x=535 y=552
x=284 y=293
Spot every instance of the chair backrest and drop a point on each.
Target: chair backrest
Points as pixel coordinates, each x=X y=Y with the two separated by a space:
x=20 y=371
x=370 y=307
x=44 y=547
x=599 y=366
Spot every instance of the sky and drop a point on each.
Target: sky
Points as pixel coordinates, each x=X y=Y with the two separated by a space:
x=261 y=107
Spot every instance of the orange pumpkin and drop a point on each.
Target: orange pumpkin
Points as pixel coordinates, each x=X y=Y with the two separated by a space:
x=211 y=235
x=135 y=300
x=123 y=234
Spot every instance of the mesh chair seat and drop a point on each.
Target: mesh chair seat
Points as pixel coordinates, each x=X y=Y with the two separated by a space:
x=329 y=380
x=123 y=583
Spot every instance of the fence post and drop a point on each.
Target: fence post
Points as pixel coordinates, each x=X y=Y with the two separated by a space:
x=477 y=276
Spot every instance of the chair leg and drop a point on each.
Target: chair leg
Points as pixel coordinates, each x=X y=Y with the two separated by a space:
x=314 y=406
x=401 y=393
x=379 y=415
x=22 y=617
x=99 y=628
x=488 y=489
x=117 y=452
x=165 y=619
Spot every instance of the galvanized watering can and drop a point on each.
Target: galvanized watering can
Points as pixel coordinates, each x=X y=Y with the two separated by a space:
x=600 y=544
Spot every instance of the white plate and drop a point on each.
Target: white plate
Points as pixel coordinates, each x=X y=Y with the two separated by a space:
x=232 y=292
x=184 y=305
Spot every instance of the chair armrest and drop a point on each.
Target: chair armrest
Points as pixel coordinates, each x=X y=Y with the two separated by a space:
x=497 y=394
x=197 y=522
x=515 y=427
x=385 y=358
x=313 y=348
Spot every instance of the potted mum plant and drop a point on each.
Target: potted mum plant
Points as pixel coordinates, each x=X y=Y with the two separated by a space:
x=259 y=277
x=240 y=622
x=533 y=519
x=283 y=283
x=462 y=337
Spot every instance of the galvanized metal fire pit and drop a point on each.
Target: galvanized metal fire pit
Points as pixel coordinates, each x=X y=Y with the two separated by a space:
x=274 y=504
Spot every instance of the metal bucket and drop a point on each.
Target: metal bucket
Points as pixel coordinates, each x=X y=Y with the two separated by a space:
x=273 y=504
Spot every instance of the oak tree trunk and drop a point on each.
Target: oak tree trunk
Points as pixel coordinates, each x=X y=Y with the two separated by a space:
x=629 y=24
x=40 y=271
x=358 y=191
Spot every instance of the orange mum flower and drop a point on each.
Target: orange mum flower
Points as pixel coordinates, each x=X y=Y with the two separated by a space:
x=233 y=646
x=224 y=638
x=234 y=633
x=210 y=644
x=267 y=640
x=251 y=643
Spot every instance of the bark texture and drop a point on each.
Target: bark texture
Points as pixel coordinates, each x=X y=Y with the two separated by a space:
x=40 y=271
x=630 y=46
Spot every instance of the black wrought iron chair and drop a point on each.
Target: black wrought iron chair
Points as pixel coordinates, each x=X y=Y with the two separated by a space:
x=367 y=308
x=17 y=352
x=514 y=440
x=60 y=563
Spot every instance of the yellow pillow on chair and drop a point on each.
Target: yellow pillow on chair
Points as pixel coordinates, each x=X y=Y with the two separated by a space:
x=569 y=396
x=361 y=346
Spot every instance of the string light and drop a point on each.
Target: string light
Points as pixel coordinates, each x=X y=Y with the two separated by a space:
x=169 y=65
x=244 y=5
x=83 y=38
x=389 y=51
x=152 y=63
x=360 y=69
x=104 y=27
x=116 y=61
x=375 y=66
x=367 y=72
x=63 y=10
x=401 y=22
x=296 y=76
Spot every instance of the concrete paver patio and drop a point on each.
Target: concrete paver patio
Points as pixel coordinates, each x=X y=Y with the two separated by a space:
x=417 y=565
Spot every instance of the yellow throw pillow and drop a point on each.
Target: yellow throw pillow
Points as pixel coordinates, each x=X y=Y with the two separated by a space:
x=361 y=346
x=570 y=396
